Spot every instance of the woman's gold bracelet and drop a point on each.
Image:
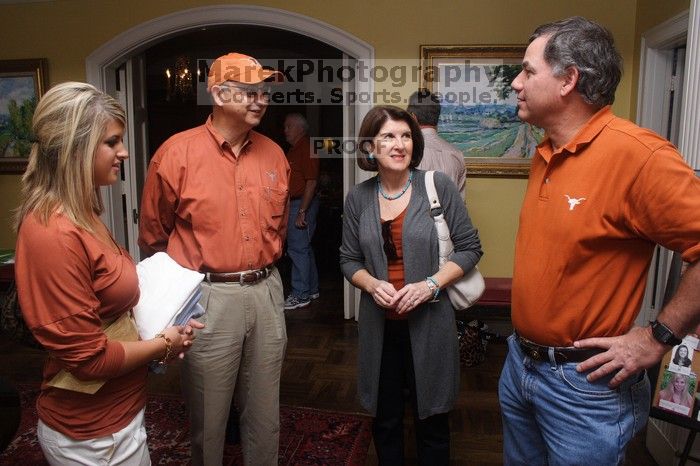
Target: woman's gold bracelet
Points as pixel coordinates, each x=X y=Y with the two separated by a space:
x=168 y=348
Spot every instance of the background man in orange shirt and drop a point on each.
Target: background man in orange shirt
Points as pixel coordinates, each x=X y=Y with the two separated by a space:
x=601 y=193
x=216 y=201
x=303 y=210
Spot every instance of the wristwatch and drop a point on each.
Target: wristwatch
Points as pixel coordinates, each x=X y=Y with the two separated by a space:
x=301 y=211
x=663 y=334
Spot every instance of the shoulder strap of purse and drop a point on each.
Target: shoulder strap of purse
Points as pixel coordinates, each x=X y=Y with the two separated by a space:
x=435 y=207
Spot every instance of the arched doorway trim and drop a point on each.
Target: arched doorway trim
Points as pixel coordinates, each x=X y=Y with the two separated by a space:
x=144 y=35
x=102 y=63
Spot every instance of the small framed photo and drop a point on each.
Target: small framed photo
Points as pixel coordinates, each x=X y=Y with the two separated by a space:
x=682 y=355
x=677 y=392
x=22 y=83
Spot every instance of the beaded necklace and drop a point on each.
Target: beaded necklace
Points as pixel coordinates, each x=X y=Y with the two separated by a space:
x=389 y=197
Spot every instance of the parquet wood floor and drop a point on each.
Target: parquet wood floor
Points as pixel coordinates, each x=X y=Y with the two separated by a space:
x=320 y=369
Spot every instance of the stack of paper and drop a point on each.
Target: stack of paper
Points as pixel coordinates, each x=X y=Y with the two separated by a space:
x=169 y=295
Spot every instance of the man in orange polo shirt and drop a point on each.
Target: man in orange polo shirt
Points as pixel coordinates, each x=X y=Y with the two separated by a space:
x=216 y=200
x=601 y=193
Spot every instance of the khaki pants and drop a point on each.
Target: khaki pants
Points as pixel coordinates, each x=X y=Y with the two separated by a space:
x=241 y=348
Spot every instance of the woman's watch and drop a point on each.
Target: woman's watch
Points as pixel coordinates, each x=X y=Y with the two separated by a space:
x=663 y=334
x=301 y=211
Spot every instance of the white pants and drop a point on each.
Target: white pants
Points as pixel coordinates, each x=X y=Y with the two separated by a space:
x=127 y=447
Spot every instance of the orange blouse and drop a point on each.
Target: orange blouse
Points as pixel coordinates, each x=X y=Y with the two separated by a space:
x=68 y=281
x=395 y=267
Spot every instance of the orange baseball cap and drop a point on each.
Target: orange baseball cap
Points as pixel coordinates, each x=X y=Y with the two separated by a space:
x=240 y=68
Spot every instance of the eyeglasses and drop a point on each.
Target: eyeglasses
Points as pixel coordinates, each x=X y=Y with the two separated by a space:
x=249 y=92
x=389 y=246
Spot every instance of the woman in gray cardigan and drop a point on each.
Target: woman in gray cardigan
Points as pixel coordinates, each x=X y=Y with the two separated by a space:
x=407 y=331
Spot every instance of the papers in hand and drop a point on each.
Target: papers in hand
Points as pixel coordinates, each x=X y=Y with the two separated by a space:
x=169 y=295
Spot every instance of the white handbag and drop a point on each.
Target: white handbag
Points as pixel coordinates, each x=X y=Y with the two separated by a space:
x=467 y=290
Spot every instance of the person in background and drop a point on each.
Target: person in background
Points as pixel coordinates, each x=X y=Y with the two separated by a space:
x=438 y=154
x=303 y=211
x=602 y=192
x=73 y=280
x=407 y=329
x=216 y=199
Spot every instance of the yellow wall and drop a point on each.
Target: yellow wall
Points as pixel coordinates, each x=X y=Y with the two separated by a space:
x=9 y=197
x=66 y=31
x=652 y=12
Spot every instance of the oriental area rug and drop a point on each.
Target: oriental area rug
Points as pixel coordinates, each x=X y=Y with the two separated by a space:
x=307 y=436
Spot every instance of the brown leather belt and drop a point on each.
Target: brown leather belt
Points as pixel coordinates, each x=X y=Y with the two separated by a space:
x=244 y=278
x=562 y=354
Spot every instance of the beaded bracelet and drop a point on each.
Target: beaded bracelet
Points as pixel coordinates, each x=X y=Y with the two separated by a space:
x=433 y=286
x=168 y=348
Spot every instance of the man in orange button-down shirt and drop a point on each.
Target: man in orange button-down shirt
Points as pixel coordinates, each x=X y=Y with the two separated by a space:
x=216 y=200
x=601 y=193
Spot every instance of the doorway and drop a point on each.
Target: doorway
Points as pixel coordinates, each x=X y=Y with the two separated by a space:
x=119 y=67
x=174 y=68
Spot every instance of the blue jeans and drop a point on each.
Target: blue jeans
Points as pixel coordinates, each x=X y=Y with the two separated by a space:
x=304 y=272
x=553 y=416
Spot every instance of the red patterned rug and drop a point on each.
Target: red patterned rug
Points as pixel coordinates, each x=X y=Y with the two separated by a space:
x=307 y=436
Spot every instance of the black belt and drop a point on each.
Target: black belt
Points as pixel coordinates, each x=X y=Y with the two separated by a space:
x=562 y=354
x=248 y=278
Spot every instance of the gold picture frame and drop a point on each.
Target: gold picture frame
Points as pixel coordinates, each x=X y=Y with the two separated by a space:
x=22 y=83
x=479 y=109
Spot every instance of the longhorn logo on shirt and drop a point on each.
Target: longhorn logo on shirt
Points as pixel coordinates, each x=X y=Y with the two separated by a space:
x=573 y=202
x=272 y=175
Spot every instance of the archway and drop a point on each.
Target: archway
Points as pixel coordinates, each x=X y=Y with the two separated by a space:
x=102 y=66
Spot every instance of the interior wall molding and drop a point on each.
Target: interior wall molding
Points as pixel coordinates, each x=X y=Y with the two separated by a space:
x=144 y=35
x=656 y=50
x=689 y=141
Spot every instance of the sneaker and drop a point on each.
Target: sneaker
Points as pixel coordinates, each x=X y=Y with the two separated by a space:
x=313 y=296
x=294 y=302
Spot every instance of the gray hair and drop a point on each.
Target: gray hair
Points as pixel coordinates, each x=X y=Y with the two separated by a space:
x=425 y=106
x=301 y=120
x=590 y=48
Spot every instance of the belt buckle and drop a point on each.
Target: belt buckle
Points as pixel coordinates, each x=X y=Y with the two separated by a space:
x=534 y=354
x=241 y=278
x=529 y=349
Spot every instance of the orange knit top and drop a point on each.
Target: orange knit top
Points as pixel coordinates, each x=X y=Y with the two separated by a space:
x=395 y=267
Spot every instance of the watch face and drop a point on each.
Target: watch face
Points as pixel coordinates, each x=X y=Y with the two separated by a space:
x=663 y=334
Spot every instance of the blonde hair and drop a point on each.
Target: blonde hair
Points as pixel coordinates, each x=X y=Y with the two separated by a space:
x=69 y=123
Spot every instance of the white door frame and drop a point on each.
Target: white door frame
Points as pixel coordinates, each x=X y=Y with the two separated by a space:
x=655 y=65
x=664 y=439
x=101 y=65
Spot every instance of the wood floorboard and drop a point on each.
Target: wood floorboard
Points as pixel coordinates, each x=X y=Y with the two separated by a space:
x=320 y=371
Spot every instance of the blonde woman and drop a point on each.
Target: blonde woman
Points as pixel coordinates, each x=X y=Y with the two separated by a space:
x=73 y=279
x=676 y=392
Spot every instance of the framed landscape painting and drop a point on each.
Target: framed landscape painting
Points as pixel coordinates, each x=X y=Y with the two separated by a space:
x=479 y=108
x=22 y=83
